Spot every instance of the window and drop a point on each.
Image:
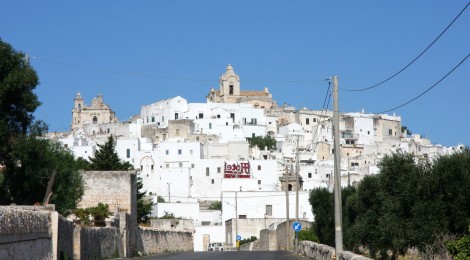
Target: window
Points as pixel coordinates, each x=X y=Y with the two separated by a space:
x=242 y=216
x=218 y=116
x=310 y=175
x=253 y=121
x=163 y=119
x=368 y=132
x=207 y=171
x=128 y=153
x=314 y=120
x=389 y=131
x=289 y=187
x=180 y=151
x=259 y=182
x=95 y=120
x=212 y=181
x=176 y=116
x=153 y=119
x=259 y=167
x=307 y=121
x=192 y=165
x=167 y=152
x=244 y=121
x=167 y=165
x=328 y=176
x=201 y=115
x=210 y=125
x=230 y=92
x=151 y=167
x=180 y=165
x=269 y=210
x=219 y=169
x=177 y=132
x=190 y=151
x=354 y=164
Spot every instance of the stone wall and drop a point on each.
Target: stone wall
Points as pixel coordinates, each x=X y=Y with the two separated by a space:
x=97 y=242
x=25 y=234
x=315 y=250
x=281 y=233
x=150 y=241
x=177 y=225
x=268 y=240
x=65 y=238
x=323 y=252
x=115 y=188
x=118 y=189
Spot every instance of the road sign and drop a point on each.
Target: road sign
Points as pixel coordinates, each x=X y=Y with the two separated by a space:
x=239 y=237
x=297 y=226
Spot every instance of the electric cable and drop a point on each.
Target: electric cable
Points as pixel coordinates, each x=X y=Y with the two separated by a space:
x=435 y=84
x=146 y=75
x=415 y=59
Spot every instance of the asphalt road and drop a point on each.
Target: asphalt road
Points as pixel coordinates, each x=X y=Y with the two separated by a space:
x=228 y=255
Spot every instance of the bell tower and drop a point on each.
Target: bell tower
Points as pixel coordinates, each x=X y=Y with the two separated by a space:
x=229 y=85
x=78 y=105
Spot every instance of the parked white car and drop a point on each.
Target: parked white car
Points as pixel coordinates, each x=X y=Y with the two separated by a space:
x=217 y=246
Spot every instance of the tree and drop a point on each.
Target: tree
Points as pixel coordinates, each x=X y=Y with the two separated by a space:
x=323 y=210
x=17 y=104
x=216 y=205
x=410 y=204
x=37 y=159
x=144 y=203
x=106 y=158
x=263 y=142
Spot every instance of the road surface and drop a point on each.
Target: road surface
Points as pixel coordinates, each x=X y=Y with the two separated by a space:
x=228 y=255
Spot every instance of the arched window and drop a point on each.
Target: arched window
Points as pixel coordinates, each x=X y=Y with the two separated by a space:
x=289 y=187
x=95 y=120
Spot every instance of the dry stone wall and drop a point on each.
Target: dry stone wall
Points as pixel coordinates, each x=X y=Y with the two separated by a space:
x=323 y=252
x=25 y=234
x=65 y=238
x=98 y=243
x=153 y=242
x=268 y=240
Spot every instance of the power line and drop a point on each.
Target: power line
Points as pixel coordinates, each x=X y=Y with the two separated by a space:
x=417 y=57
x=324 y=108
x=435 y=84
x=146 y=75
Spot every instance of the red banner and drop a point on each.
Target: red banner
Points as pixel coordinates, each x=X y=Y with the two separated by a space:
x=237 y=170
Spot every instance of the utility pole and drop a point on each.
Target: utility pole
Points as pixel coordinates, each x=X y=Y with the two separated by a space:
x=297 y=169
x=337 y=161
x=169 y=189
x=236 y=219
x=286 y=181
x=297 y=165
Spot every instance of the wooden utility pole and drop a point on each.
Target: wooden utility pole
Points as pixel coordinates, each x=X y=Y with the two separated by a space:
x=337 y=172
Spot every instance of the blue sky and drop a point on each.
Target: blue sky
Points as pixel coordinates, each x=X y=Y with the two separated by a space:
x=139 y=52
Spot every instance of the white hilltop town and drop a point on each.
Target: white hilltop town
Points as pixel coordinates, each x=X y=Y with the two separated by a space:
x=193 y=154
